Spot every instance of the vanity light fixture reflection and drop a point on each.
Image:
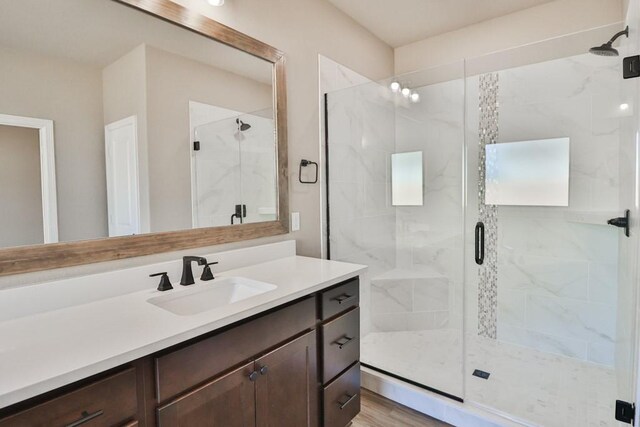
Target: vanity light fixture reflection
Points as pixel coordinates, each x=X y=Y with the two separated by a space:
x=395 y=87
x=624 y=107
x=216 y=2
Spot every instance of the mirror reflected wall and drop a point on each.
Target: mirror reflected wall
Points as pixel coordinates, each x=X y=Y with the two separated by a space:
x=114 y=123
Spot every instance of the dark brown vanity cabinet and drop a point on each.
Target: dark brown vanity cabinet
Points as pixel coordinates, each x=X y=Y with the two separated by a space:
x=227 y=400
x=340 y=337
x=277 y=389
x=296 y=365
x=287 y=386
x=109 y=401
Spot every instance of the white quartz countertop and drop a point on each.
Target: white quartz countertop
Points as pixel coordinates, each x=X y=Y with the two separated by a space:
x=47 y=350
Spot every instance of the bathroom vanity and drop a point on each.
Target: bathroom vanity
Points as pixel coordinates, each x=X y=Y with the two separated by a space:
x=286 y=357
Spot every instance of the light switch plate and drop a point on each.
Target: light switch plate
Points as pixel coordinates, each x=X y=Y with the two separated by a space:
x=295 y=221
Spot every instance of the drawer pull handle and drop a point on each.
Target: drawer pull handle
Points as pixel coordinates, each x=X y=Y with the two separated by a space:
x=86 y=417
x=343 y=298
x=349 y=400
x=343 y=341
x=264 y=370
x=253 y=376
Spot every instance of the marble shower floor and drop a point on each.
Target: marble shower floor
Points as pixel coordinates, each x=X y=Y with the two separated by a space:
x=539 y=388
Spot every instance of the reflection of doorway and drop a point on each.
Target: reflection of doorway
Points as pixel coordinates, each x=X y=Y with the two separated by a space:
x=123 y=190
x=48 y=199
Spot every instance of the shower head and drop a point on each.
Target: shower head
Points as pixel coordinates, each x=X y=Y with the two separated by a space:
x=607 y=49
x=242 y=126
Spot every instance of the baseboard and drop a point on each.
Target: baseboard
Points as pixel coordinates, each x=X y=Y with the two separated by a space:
x=429 y=403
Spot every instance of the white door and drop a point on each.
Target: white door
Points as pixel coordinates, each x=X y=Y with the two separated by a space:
x=123 y=193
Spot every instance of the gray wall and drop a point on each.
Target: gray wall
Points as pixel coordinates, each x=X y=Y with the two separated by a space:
x=124 y=84
x=303 y=29
x=20 y=188
x=70 y=94
x=298 y=28
x=173 y=81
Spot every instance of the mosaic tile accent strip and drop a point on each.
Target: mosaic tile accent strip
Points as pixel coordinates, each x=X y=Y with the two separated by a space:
x=488 y=214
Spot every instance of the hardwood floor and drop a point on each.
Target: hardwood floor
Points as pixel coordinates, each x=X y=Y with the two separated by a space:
x=378 y=411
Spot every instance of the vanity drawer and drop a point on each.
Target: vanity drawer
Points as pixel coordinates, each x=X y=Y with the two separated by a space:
x=342 y=398
x=108 y=402
x=189 y=366
x=341 y=298
x=340 y=344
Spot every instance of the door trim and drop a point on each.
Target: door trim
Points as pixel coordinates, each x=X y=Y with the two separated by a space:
x=47 y=170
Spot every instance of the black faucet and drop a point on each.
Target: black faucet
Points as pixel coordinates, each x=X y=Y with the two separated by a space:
x=187 y=273
x=206 y=272
x=165 y=283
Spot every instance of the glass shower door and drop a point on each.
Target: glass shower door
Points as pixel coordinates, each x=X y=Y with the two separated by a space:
x=550 y=286
x=411 y=297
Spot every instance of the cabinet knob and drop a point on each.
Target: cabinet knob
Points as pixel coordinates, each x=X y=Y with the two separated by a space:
x=253 y=376
x=264 y=370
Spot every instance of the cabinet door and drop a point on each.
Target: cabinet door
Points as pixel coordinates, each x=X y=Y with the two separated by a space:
x=287 y=389
x=228 y=401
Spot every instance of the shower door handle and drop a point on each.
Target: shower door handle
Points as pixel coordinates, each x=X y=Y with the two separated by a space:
x=479 y=243
x=622 y=222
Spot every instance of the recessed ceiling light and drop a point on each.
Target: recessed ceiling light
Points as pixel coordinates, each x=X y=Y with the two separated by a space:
x=395 y=86
x=624 y=106
x=216 y=2
x=406 y=92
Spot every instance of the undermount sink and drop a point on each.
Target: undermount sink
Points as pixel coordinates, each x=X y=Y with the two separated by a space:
x=211 y=295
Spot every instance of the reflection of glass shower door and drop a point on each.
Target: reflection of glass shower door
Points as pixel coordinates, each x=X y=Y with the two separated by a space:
x=551 y=307
x=235 y=171
x=217 y=173
x=258 y=175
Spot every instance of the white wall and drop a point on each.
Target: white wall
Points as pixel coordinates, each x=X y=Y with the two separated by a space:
x=549 y=20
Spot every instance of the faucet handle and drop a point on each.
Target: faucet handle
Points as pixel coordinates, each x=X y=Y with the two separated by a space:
x=165 y=283
x=206 y=272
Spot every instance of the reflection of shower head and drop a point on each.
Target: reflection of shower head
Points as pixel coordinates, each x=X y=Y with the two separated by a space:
x=607 y=49
x=242 y=126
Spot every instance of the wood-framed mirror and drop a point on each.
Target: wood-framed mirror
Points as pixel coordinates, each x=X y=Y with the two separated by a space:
x=134 y=127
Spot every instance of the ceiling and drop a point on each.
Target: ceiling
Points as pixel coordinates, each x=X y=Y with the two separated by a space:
x=400 y=22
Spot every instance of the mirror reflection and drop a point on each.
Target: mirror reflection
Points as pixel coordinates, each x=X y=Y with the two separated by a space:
x=122 y=124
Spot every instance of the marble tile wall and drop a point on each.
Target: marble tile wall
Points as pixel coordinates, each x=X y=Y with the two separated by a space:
x=558 y=267
x=362 y=220
x=414 y=284
x=241 y=161
x=429 y=237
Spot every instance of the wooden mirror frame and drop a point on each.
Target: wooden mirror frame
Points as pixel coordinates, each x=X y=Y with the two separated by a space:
x=25 y=259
